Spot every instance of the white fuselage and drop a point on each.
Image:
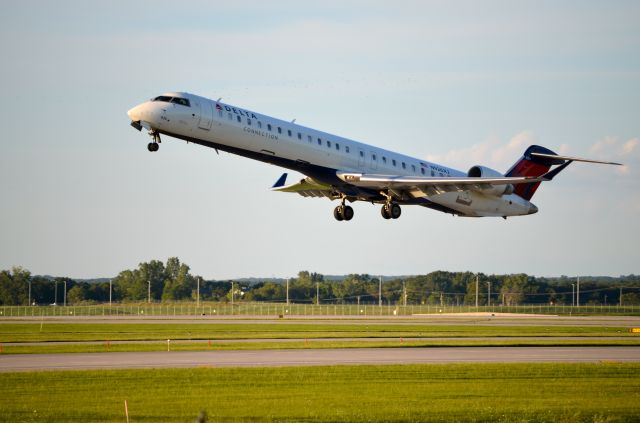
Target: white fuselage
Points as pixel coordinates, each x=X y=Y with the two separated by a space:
x=288 y=144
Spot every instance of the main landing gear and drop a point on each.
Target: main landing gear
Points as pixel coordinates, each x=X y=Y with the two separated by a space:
x=391 y=211
x=154 y=145
x=343 y=212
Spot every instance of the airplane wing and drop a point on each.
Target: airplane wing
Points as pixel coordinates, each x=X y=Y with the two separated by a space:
x=306 y=187
x=433 y=186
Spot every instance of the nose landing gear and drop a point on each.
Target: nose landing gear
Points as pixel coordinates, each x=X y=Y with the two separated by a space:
x=154 y=145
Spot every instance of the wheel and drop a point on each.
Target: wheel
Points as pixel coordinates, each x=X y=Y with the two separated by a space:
x=395 y=211
x=337 y=213
x=347 y=213
x=156 y=146
x=150 y=147
x=385 y=212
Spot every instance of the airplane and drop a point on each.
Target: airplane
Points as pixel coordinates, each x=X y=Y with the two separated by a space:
x=346 y=170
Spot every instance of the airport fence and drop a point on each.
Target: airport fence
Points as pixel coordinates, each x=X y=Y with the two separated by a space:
x=284 y=310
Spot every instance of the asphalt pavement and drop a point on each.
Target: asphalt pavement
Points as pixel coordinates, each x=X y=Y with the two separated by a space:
x=315 y=357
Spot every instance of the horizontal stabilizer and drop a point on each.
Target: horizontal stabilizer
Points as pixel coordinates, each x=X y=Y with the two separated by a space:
x=573 y=159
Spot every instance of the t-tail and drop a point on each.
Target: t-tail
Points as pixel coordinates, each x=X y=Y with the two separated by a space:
x=537 y=162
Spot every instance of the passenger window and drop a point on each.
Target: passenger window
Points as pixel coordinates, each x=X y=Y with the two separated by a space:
x=248 y=121
x=393 y=162
x=279 y=130
x=413 y=168
x=384 y=160
x=328 y=143
x=337 y=146
x=289 y=132
x=269 y=126
x=362 y=154
x=319 y=141
x=373 y=156
x=239 y=119
x=404 y=166
x=259 y=124
x=309 y=138
x=299 y=136
x=422 y=170
x=346 y=148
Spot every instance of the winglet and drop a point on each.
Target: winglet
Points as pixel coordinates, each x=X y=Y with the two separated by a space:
x=280 y=182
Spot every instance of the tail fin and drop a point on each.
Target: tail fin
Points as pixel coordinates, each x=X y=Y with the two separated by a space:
x=534 y=166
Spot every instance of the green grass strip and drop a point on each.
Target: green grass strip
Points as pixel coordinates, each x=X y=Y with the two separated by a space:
x=607 y=392
x=37 y=332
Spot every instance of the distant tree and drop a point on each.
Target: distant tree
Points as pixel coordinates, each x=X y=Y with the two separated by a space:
x=14 y=286
x=267 y=292
x=179 y=283
x=78 y=294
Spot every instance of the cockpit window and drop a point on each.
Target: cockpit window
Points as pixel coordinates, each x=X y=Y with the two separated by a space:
x=182 y=101
x=175 y=100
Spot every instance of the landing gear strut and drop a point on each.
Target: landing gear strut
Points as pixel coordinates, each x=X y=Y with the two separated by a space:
x=343 y=212
x=391 y=211
x=154 y=145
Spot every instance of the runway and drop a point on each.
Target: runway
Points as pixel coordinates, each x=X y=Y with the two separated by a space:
x=315 y=357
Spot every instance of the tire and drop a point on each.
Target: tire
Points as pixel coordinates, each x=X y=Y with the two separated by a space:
x=395 y=211
x=384 y=212
x=150 y=147
x=337 y=213
x=347 y=213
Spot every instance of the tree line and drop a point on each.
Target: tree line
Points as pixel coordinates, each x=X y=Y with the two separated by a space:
x=173 y=281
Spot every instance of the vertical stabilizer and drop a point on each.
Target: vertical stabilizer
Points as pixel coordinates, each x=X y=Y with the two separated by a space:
x=534 y=166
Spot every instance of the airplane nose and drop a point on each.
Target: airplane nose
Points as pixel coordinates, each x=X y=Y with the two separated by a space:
x=135 y=114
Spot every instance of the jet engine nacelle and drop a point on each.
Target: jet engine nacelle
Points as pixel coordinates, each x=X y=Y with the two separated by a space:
x=485 y=172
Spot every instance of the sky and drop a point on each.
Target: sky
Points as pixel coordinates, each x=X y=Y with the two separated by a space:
x=460 y=83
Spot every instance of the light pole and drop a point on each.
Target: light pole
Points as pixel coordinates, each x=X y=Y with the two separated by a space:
x=55 y=290
x=476 y=291
x=573 y=294
x=30 y=291
x=317 y=293
x=380 y=291
x=64 y=301
x=149 y=291
x=287 y=291
x=488 y=293
x=198 y=293
x=578 y=293
x=231 y=296
x=404 y=294
x=110 y=289
x=620 y=296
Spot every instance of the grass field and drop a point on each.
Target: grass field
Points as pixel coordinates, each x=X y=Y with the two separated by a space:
x=607 y=392
x=35 y=332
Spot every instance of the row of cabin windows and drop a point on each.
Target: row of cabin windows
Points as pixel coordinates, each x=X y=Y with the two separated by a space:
x=337 y=145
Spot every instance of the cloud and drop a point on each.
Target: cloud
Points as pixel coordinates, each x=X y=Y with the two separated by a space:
x=625 y=152
x=493 y=152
